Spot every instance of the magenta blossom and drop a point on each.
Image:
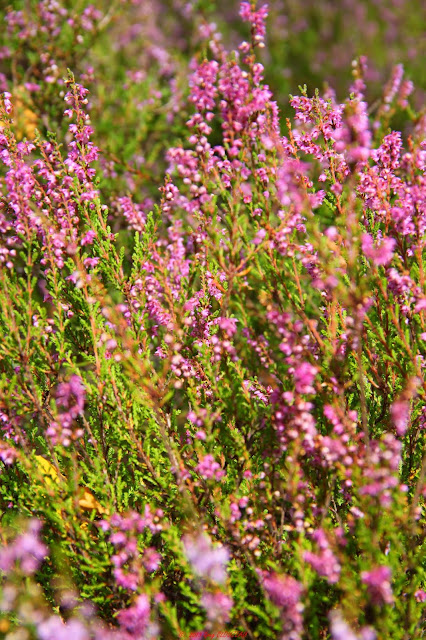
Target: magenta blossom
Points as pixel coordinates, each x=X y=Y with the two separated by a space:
x=400 y=411
x=217 y=606
x=208 y=561
x=71 y=395
x=381 y=253
x=378 y=585
x=26 y=549
x=286 y=592
x=304 y=375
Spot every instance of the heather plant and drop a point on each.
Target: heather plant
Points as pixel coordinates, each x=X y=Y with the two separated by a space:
x=318 y=41
x=212 y=362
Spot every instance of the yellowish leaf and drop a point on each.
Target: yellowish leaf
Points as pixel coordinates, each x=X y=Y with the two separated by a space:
x=25 y=120
x=50 y=475
x=47 y=470
x=88 y=501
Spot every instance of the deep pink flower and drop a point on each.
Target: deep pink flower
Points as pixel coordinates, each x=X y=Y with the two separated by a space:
x=420 y=595
x=285 y=592
x=228 y=324
x=136 y=617
x=400 y=411
x=8 y=454
x=208 y=561
x=325 y=562
x=217 y=606
x=339 y=628
x=151 y=559
x=208 y=468
x=381 y=253
x=378 y=585
x=256 y=19
x=71 y=395
x=26 y=549
x=304 y=375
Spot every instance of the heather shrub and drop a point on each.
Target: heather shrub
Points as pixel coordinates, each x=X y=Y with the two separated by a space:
x=213 y=338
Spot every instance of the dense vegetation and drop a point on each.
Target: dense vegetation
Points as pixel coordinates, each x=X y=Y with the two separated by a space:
x=212 y=320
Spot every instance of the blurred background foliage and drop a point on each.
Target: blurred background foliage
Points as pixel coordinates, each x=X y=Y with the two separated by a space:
x=134 y=56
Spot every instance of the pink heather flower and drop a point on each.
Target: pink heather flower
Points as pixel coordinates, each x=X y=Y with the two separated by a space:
x=8 y=454
x=340 y=630
x=125 y=579
x=229 y=325
x=208 y=468
x=380 y=254
x=420 y=305
x=88 y=238
x=7 y=103
x=325 y=562
x=420 y=595
x=357 y=120
x=353 y=137
x=124 y=537
x=54 y=628
x=203 y=85
x=285 y=592
x=382 y=477
x=406 y=90
x=394 y=83
x=289 y=187
x=400 y=411
x=207 y=561
x=135 y=618
x=26 y=549
x=388 y=154
x=316 y=198
x=304 y=375
x=32 y=87
x=71 y=396
x=259 y=237
x=257 y=21
x=217 y=606
x=151 y=559
x=378 y=585
x=133 y=213
x=90 y=263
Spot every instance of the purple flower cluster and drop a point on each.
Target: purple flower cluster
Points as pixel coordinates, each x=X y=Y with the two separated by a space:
x=135 y=620
x=128 y=562
x=208 y=561
x=26 y=551
x=340 y=630
x=247 y=341
x=285 y=592
x=378 y=585
x=325 y=562
x=49 y=182
x=256 y=19
x=70 y=396
x=208 y=468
